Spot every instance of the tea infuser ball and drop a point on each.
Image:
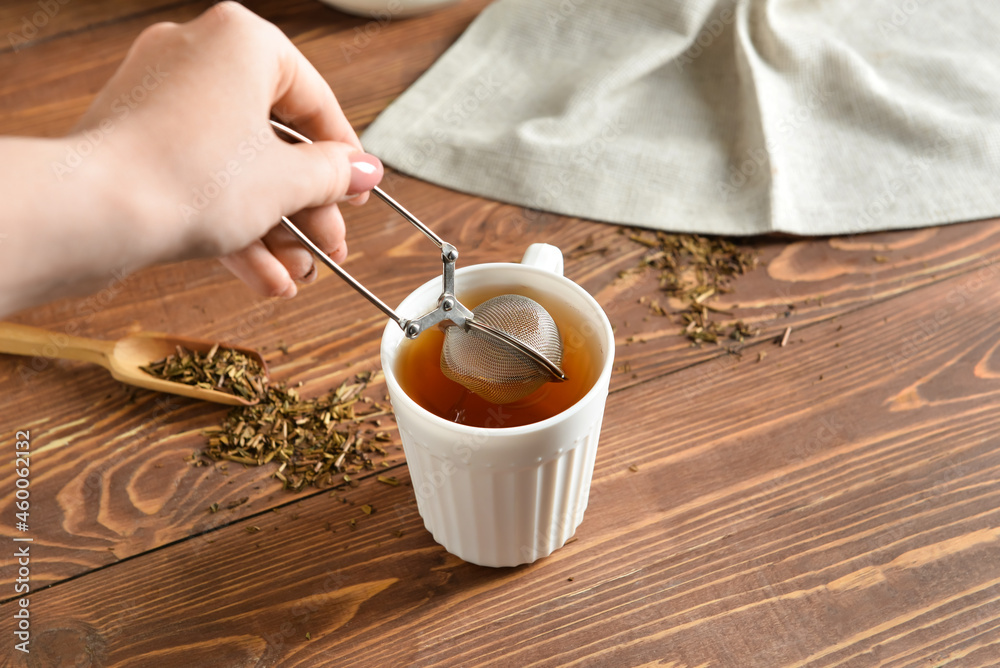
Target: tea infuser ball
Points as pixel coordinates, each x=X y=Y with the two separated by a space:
x=492 y=369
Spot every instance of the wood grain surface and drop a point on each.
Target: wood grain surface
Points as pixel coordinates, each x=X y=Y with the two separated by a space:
x=833 y=504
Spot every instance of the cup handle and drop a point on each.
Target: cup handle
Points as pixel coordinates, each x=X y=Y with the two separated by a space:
x=544 y=256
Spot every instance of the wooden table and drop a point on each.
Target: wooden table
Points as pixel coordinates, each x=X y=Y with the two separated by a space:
x=835 y=502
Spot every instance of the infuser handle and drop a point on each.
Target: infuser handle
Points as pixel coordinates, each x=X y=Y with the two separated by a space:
x=428 y=232
x=340 y=271
x=448 y=309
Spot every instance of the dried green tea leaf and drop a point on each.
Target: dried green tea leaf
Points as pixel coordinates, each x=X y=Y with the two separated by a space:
x=222 y=369
x=694 y=270
x=314 y=441
x=237 y=502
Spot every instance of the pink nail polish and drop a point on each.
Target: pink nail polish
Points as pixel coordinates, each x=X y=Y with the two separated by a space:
x=366 y=172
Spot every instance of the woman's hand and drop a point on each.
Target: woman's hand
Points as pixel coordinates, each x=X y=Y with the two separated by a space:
x=186 y=135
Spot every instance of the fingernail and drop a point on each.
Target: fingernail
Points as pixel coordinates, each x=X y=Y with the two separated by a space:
x=358 y=200
x=340 y=253
x=290 y=291
x=310 y=275
x=366 y=172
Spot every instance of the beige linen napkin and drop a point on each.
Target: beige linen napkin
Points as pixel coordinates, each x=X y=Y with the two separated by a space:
x=716 y=116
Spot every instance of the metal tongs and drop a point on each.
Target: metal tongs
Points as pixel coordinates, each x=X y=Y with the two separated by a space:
x=448 y=308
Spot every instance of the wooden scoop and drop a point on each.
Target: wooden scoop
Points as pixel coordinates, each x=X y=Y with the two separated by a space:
x=123 y=358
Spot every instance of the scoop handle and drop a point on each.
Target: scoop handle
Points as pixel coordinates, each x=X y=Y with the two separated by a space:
x=36 y=342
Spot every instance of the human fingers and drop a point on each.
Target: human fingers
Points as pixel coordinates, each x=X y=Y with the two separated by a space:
x=324 y=226
x=322 y=173
x=256 y=266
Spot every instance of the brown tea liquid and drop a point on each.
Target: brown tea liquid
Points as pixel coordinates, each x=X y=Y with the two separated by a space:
x=418 y=369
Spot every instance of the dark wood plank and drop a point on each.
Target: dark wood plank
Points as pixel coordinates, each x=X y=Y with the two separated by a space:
x=835 y=504
x=44 y=89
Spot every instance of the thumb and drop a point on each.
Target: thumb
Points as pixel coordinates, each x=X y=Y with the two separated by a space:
x=327 y=172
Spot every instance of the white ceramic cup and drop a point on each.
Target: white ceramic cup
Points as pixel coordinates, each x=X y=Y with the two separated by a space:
x=503 y=497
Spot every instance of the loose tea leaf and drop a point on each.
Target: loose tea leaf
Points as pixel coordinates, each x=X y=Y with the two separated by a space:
x=316 y=441
x=695 y=269
x=222 y=369
x=742 y=330
x=784 y=337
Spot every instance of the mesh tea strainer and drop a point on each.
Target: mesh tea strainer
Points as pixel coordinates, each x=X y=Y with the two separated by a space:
x=503 y=350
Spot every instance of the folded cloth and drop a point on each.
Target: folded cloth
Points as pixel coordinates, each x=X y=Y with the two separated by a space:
x=715 y=116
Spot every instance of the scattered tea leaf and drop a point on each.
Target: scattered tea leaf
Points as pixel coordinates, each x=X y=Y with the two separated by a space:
x=742 y=330
x=388 y=480
x=695 y=269
x=784 y=337
x=237 y=503
x=312 y=440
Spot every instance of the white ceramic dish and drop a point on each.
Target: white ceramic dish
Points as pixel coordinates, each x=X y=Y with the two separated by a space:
x=388 y=9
